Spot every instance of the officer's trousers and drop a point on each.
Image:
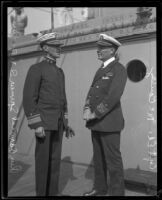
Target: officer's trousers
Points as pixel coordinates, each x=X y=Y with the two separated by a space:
x=47 y=162
x=107 y=158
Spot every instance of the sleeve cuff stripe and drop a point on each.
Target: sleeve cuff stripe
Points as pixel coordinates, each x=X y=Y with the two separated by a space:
x=34 y=120
x=34 y=116
x=101 y=108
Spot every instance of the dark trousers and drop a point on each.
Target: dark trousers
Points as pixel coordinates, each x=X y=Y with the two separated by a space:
x=47 y=162
x=107 y=157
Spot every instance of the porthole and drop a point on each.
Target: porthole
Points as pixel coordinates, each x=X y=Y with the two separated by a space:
x=136 y=70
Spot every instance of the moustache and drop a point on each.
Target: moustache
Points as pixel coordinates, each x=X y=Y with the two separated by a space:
x=99 y=53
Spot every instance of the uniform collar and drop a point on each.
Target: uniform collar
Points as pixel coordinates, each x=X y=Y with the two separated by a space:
x=107 y=62
x=50 y=60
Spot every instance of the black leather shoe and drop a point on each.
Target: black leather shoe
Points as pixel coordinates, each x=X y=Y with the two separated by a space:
x=95 y=193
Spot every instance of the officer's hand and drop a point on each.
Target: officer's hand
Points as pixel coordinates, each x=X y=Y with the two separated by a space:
x=39 y=132
x=65 y=120
x=86 y=114
x=92 y=116
x=69 y=132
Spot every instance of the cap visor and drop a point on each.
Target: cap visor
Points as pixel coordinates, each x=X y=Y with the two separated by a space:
x=105 y=44
x=51 y=44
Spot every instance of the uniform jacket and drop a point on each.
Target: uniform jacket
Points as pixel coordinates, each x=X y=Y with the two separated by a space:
x=104 y=98
x=44 y=97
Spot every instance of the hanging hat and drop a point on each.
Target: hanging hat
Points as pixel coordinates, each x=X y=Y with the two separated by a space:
x=107 y=41
x=49 y=39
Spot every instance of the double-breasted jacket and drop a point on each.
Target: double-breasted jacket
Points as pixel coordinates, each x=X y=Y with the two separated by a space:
x=104 y=98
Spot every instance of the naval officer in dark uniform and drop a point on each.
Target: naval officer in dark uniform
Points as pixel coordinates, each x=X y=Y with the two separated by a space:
x=45 y=106
x=104 y=117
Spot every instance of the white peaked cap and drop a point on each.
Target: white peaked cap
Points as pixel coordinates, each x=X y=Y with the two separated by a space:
x=106 y=40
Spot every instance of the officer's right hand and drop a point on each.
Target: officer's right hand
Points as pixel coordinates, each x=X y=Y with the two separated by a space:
x=39 y=132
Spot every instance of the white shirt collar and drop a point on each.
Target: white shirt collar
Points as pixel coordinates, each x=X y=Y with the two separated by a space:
x=108 y=61
x=49 y=57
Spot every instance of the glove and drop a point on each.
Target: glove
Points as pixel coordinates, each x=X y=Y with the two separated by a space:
x=92 y=116
x=86 y=114
x=39 y=132
x=69 y=132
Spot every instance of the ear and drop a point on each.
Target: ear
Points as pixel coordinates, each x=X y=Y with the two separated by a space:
x=45 y=47
x=113 y=50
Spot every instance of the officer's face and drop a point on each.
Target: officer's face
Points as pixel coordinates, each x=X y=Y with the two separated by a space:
x=54 y=51
x=104 y=53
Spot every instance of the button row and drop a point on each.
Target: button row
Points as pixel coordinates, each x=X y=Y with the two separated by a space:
x=91 y=96
x=97 y=86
